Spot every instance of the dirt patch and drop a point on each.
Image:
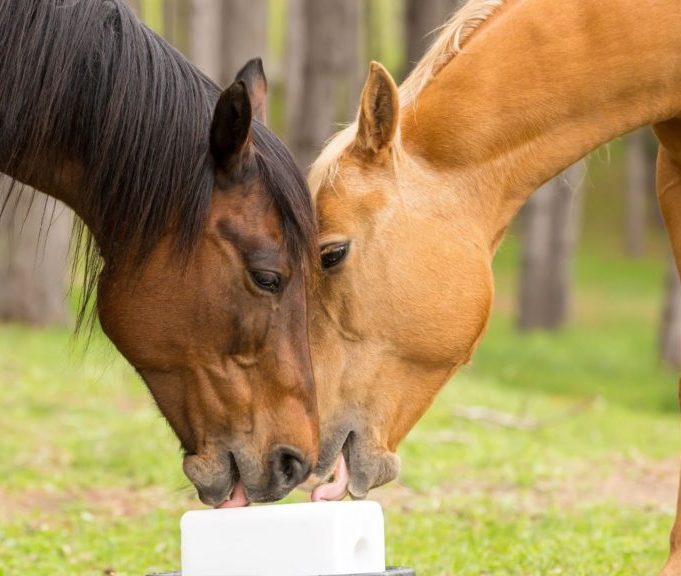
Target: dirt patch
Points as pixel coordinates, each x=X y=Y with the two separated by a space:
x=104 y=502
x=636 y=483
x=633 y=482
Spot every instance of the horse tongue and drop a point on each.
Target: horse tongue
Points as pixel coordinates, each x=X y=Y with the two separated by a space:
x=337 y=489
x=238 y=499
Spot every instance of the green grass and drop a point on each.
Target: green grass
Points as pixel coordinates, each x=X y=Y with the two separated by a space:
x=90 y=475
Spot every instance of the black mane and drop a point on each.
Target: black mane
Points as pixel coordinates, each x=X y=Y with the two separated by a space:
x=85 y=80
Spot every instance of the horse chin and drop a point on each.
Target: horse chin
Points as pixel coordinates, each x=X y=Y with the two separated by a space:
x=369 y=467
x=214 y=477
x=357 y=467
x=220 y=482
x=252 y=484
x=243 y=490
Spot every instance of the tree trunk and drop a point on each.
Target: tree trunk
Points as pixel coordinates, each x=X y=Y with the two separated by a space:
x=638 y=170
x=34 y=245
x=244 y=36
x=550 y=225
x=422 y=18
x=182 y=31
x=670 y=329
x=294 y=63
x=205 y=37
x=372 y=32
x=329 y=53
x=170 y=13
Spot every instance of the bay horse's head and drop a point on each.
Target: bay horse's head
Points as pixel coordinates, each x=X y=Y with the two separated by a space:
x=219 y=335
x=405 y=288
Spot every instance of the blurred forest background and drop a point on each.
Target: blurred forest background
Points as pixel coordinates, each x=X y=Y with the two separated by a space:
x=565 y=424
x=316 y=55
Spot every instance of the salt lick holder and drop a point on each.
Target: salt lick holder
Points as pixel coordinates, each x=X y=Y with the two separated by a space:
x=312 y=539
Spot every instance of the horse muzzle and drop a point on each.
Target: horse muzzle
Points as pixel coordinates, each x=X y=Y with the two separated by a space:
x=357 y=467
x=232 y=480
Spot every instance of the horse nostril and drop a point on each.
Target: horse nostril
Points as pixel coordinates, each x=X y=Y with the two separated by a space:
x=289 y=467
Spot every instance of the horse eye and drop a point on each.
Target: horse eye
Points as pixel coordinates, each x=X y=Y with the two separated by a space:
x=334 y=254
x=266 y=280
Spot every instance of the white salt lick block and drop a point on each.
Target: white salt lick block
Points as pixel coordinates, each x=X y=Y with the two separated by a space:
x=313 y=539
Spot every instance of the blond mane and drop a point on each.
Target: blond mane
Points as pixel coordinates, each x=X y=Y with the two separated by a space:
x=448 y=44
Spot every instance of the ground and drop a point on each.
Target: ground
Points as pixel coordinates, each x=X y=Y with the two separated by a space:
x=90 y=477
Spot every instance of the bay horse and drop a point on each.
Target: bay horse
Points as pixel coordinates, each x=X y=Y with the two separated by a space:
x=413 y=199
x=201 y=230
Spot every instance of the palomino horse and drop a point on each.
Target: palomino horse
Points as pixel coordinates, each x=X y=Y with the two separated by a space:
x=202 y=221
x=414 y=198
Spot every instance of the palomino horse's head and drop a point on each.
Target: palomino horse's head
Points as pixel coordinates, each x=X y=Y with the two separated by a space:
x=220 y=337
x=404 y=294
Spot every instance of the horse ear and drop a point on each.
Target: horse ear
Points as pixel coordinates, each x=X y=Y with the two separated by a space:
x=231 y=125
x=379 y=111
x=253 y=75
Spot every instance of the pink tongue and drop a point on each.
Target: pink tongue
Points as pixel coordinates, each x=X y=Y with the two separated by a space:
x=238 y=499
x=337 y=489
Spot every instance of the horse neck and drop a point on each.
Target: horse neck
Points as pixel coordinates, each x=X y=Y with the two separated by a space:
x=540 y=85
x=60 y=180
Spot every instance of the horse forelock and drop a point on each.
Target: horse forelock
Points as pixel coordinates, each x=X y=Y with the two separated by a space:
x=284 y=181
x=449 y=42
x=324 y=168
